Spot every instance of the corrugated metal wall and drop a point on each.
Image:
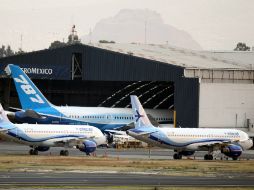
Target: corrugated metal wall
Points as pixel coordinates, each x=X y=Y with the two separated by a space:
x=187 y=102
x=102 y=64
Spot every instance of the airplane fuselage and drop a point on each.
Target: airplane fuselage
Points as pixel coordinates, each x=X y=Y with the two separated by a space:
x=190 y=139
x=48 y=135
x=100 y=117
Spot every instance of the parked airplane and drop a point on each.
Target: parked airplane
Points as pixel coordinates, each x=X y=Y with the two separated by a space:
x=41 y=137
x=37 y=109
x=185 y=141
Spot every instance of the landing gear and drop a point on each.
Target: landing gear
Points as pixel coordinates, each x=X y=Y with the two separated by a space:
x=64 y=153
x=177 y=156
x=234 y=158
x=33 y=152
x=208 y=157
x=88 y=154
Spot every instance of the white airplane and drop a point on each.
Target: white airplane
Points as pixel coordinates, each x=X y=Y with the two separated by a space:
x=185 y=141
x=37 y=109
x=41 y=137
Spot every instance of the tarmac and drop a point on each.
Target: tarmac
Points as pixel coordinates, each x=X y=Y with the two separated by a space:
x=101 y=179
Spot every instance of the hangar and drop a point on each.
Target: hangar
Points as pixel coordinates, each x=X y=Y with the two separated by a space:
x=207 y=89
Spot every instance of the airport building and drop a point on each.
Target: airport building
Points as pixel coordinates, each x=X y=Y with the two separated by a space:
x=206 y=89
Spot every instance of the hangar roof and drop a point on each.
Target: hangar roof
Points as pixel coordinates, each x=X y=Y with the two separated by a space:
x=189 y=59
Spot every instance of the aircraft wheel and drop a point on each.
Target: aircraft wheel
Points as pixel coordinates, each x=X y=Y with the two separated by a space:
x=234 y=158
x=177 y=156
x=33 y=152
x=61 y=152
x=66 y=153
x=208 y=157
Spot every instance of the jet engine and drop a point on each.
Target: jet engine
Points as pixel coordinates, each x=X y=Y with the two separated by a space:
x=187 y=153
x=87 y=147
x=42 y=148
x=233 y=151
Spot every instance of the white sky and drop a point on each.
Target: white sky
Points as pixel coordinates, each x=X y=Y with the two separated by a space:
x=214 y=24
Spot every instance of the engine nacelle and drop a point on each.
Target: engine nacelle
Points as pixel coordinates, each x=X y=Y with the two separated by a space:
x=42 y=148
x=187 y=153
x=87 y=147
x=232 y=151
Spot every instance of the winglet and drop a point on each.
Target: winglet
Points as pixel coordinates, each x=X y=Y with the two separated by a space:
x=139 y=114
x=29 y=95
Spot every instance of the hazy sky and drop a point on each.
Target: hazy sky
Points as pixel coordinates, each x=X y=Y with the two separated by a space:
x=214 y=24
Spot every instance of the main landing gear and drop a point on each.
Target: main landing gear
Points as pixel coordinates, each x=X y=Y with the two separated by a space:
x=208 y=157
x=177 y=156
x=33 y=152
x=64 y=153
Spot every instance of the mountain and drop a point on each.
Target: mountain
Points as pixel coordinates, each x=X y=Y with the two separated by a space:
x=140 y=26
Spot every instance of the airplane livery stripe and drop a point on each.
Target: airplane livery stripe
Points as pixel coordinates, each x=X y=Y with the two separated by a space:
x=171 y=143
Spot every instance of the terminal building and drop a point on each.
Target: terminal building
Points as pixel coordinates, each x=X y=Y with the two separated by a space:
x=206 y=89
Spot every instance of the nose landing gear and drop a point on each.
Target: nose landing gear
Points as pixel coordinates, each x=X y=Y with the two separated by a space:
x=177 y=156
x=33 y=152
x=64 y=153
x=208 y=157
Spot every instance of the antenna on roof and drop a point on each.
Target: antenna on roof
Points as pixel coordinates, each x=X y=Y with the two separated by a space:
x=73 y=37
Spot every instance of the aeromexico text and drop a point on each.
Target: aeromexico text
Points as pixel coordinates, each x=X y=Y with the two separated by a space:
x=38 y=71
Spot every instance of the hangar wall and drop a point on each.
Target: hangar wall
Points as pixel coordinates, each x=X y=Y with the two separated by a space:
x=101 y=64
x=45 y=64
x=226 y=105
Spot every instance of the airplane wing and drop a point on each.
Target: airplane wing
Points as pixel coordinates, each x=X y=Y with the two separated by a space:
x=132 y=126
x=216 y=145
x=71 y=141
x=152 y=120
x=125 y=127
x=146 y=133
x=139 y=132
x=116 y=132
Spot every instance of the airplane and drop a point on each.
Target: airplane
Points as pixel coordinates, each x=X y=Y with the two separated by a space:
x=37 y=109
x=185 y=141
x=41 y=137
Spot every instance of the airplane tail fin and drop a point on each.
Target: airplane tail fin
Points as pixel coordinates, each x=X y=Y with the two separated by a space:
x=29 y=95
x=139 y=114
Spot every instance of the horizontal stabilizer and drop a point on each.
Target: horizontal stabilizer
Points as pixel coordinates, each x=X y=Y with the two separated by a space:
x=153 y=121
x=5 y=130
x=33 y=114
